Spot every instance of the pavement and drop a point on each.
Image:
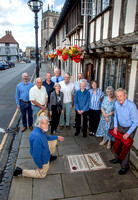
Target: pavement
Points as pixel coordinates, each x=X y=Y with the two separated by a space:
x=60 y=182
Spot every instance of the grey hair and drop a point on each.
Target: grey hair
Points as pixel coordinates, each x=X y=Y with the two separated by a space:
x=39 y=119
x=81 y=73
x=110 y=88
x=121 y=90
x=57 y=69
x=83 y=81
x=57 y=84
x=24 y=74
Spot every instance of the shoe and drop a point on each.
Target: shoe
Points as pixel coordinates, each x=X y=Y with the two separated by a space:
x=67 y=127
x=91 y=134
x=52 y=158
x=114 y=161
x=123 y=171
x=76 y=134
x=24 y=128
x=102 y=143
x=74 y=125
x=31 y=128
x=61 y=127
x=109 y=145
x=18 y=171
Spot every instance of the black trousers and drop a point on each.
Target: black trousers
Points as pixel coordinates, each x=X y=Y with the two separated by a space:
x=94 y=119
x=78 y=123
x=55 y=118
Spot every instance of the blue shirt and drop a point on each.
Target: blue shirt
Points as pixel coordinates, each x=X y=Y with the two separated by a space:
x=77 y=86
x=81 y=100
x=126 y=115
x=49 y=88
x=22 y=92
x=54 y=79
x=96 y=99
x=39 y=148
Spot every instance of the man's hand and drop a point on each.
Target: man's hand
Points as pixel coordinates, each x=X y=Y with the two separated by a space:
x=43 y=108
x=61 y=111
x=50 y=113
x=60 y=138
x=79 y=112
x=125 y=136
x=72 y=105
x=18 y=107
x=115 y=130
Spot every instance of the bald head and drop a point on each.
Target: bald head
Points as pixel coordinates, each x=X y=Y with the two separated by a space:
x=39 y=82
x=25 y=78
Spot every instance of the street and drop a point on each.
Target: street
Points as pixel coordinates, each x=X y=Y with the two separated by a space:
x=8 y=80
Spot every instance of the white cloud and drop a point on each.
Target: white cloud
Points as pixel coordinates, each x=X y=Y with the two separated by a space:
x=16 y=16
x=58 y=8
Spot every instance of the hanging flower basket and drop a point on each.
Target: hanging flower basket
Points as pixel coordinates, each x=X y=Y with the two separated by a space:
x=73 y=52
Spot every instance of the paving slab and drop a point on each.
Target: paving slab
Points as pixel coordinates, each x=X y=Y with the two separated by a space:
x=48 y=189
x=24 y=143
x=24 y=153
x=57 y=166
x=21 y=189
x=109 y=180
x=75 y=198
x=27 y=163
x=67 y=140
x=75 y=184
x=69 y=149
x=107 y=196
x=25 y=135
x=130 y=194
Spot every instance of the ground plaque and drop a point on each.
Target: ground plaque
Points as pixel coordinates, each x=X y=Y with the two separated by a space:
x=85 y=162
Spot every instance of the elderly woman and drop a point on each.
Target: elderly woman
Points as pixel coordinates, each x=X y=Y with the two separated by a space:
x=56 y=107
x=96 y=97
x=42 y=146
x=81 y=102
x=106 y=122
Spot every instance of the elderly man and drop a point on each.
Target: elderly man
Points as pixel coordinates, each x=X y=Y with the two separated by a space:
x=22 y=101
x=125 y=121
x=68 y=100
x=57 y=78
x=77 y=84
x=38 y=97
x=42 y=146
x=49 y=85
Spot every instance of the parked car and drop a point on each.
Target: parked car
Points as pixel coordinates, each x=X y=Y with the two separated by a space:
x=28 y=61
x=4 y=65
x=11 y=64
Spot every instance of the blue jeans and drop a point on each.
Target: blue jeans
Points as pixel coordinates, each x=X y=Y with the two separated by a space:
x=25 y=109
x=35 y=111
x=66 y=111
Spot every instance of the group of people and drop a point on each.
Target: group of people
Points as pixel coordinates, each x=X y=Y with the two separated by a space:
x=59 y=95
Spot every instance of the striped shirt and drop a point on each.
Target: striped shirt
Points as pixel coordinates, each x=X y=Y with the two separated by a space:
x=96 y=99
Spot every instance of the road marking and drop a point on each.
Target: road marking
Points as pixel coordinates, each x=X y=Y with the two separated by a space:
x=12 y=120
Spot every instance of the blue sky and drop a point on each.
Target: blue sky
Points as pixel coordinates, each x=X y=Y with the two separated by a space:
x=16 y=16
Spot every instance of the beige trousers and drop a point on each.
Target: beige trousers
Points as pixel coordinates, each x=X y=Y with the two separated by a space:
x=42 y=172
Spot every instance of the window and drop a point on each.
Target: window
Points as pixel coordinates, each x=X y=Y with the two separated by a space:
x=93 y=7
x=70 y=66
x=7 y=44
x=64 y=32
x=54 y=22
x=63 y=65
x=44 y=23
x=58 y=40
x=115 y=73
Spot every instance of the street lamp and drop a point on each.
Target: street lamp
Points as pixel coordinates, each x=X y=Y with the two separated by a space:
x=35 y=6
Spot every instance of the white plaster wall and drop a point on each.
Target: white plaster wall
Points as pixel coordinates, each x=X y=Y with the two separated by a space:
x=105 y=27
x=132 y=80
x=92 y=32
x=101 y=72
x=116 y=18
x=98 y=28
x=130 y=16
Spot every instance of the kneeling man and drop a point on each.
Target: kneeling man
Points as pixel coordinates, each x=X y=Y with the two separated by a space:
x=42 y=146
